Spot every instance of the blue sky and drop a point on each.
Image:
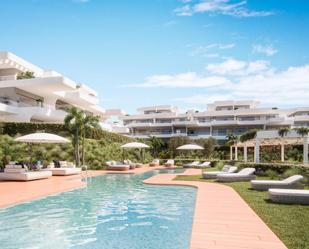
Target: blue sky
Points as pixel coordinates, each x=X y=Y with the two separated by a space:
x=180 y=52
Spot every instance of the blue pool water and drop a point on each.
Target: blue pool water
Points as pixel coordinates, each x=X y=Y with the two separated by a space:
x=113 y=212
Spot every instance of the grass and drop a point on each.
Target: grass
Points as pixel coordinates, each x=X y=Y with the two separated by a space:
x=289 y=222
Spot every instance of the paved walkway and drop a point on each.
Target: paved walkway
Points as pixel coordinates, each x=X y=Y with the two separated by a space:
x=222 y=219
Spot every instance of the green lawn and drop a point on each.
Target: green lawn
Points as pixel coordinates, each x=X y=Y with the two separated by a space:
x=289 y=222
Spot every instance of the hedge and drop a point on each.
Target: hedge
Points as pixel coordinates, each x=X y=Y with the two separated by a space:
x=261 y=168
x=15 y=128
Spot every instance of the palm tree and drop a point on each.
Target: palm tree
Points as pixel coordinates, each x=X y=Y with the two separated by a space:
x=78 y=124
x=302 y=131
x=283 y=131
x=74 y=124
x=89 y=122
x=231 y=139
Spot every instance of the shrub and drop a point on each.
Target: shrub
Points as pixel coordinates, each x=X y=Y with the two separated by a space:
x=272 y=174
x=261 y=168
x=291 y=172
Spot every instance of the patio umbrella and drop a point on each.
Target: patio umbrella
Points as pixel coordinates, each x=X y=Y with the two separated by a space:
x=190 y=147
x=38 y=138
x=42 y=138
x=135 y=145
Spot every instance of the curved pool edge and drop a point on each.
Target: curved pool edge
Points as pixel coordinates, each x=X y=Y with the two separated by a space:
x=222 y=219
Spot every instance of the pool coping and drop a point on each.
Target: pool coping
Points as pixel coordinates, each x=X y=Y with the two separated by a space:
x=222 y=219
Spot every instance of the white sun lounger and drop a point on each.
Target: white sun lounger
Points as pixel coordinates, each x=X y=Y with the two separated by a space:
x=245 y=174
x=289 y=196
x=292 y=182
x=204 y=164
x=191 y=165
x=154 y=163
x=63 y=171
x=169 y=163
x=227 y=169
x=25 y=176
x=112 y=165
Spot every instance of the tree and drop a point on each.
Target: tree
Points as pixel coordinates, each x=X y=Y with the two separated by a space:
x=78 y=123
x=282 y=132
x=25 y=75
x=209 y=145
x=231 y=139
x=156 y=145
x=302 y=131
x=248 y=135
x=74 y=123
x=176 y=142
x=89 y=122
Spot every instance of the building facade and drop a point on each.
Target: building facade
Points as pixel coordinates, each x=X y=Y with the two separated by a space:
x=45 y=97
x=220 y=119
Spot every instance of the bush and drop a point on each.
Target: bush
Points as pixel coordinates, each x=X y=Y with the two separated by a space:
x=261 y=168
x=14 y=128
x=271 y=174
x=291 y=172
x=97 y=152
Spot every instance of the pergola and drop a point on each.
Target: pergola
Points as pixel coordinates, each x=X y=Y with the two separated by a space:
x=271 y=137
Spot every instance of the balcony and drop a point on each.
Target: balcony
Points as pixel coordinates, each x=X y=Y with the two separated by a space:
x=300 y=118
x=186 y=122
x=7 y=77
x=224 y=122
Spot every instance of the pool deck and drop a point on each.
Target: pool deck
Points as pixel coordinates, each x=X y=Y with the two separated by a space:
x=222 y=219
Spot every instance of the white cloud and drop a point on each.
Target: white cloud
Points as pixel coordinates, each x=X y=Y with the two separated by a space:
x=224 y=7
x=189 y=79
x=268 y=50
x=273 y=88
x=206 y=50
x=241 y=80
x=237 y=67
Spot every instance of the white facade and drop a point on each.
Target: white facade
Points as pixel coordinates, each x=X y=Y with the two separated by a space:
x=220 y=119
x=43 y=98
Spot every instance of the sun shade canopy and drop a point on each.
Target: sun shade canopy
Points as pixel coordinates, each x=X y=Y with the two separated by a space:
x=135 y=145
x=190 y=147
x=42 y=138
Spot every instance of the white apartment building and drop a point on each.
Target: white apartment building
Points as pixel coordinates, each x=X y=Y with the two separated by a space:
x=45 y=97
x=220 y=119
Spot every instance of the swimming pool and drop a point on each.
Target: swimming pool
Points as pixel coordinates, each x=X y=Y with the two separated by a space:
x=113 y=211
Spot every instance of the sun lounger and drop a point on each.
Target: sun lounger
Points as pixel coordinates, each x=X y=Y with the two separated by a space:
x=18 y=173
x=154 y=163
x=63 y=171
x=227 y=169
x=169 y=163
x=292 y=182
x=119 y=166
x=203 y=165
x=191 y=165
x=245 y=174
x=289 y=196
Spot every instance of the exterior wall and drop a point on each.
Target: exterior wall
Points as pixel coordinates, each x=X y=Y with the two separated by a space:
x=220 y=119
x=43 y=98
